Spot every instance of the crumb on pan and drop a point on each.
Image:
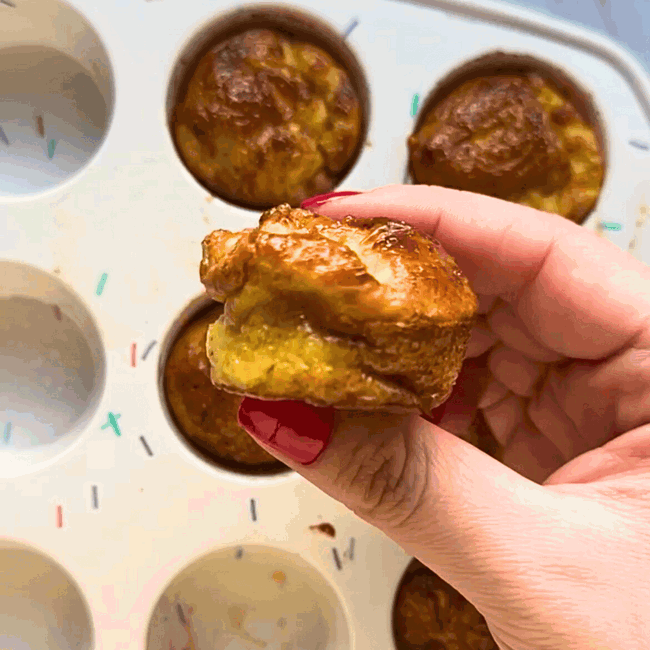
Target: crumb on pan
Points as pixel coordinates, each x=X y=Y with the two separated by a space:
x=325 y=528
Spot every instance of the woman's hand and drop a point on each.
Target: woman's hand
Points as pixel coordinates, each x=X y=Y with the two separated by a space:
x=565 y=326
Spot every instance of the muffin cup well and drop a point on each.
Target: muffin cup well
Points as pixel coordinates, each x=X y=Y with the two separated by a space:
x=295 y=26
x=502 y=63
x=197 y=311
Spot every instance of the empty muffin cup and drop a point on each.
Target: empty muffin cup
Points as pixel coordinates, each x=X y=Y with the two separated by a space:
x=52 y=368
x=57 y=95
x=40 y=604
x=514 y=128
x=246 y=598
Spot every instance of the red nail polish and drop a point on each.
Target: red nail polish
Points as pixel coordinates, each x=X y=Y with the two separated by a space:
x=294 y=429
x=315 y=201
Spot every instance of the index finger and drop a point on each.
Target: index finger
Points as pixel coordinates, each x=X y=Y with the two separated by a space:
x=578 y=294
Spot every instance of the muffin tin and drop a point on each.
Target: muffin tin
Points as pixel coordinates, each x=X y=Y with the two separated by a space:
x=115 y=534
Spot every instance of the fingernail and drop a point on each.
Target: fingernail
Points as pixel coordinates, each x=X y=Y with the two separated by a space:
x=296 y=430
x=315 y=201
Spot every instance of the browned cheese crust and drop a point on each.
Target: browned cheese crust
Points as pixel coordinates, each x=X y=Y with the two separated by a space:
x=266 y=120
x=206 y=415
x=512 y=137
x=358 y=313
x=431 y=615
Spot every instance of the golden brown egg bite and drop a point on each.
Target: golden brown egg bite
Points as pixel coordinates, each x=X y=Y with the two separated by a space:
x=205 y=415
x=430 y=614
x=268 y=119
x=354 y=314
x=517 y=137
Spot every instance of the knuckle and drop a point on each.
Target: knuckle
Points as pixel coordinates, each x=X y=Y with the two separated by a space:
x=387 y=483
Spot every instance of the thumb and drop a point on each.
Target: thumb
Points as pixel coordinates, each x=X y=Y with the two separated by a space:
x=539 y=562
x=459 y=511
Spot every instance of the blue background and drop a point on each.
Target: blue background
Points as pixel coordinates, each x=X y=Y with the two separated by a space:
x=625 y=21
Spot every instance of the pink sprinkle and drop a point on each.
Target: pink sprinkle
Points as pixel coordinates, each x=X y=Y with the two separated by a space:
x=59 y=517
x=132 y=355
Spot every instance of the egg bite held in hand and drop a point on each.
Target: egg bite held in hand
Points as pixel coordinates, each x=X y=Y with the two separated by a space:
x=353 y=314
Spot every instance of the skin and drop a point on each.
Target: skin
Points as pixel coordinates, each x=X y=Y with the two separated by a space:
x=552 y=545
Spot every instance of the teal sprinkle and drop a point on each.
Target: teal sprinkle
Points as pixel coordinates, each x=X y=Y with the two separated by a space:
x=102 y=282
x=609 y=225
x=7 y=432
x=414 y=104
x=50 y=148
x=112 y=422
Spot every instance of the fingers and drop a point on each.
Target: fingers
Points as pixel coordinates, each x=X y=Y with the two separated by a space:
x=575 y=293
x=628 y=455
x=481 y=339
x=493 y=394
x=505 y=417
x=531 y=454
x=518 y=373
x=566 y=410
x=505 y=324
x=587 y=404
x=548 y=414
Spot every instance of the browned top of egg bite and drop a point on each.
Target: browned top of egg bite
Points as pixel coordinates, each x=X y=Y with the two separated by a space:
x=380 y=275
x=267 y=119
x=515 y=137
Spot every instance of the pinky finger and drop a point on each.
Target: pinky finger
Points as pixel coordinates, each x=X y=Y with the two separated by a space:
x=505 y=417
x=531 y=454
x=481 y=339
x=493 y=394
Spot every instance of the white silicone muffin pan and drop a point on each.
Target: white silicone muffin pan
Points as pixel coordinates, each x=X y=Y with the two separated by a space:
x=114 y=534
